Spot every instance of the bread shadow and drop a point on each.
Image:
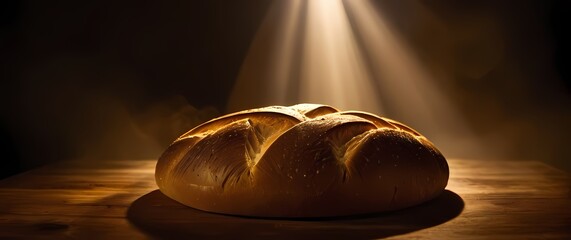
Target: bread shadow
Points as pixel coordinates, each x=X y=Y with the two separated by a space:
x=161 y=217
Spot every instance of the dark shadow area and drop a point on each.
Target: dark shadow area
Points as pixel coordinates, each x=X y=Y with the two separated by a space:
x=162 y=217
x=11 y=159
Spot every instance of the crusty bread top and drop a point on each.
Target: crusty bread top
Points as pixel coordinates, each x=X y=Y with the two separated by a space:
x=312 y=154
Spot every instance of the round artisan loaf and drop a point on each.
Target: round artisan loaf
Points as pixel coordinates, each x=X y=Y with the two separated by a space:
x=306 y=160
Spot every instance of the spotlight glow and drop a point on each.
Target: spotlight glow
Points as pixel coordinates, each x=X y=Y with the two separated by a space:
x=343 y=53
x=267 y=75
x=409 y=88
x=305 y=58
x=333 y=69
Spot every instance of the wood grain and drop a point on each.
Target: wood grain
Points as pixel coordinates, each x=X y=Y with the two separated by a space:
x=485 y=199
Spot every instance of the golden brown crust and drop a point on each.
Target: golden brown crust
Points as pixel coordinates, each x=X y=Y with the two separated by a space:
x=306 y=160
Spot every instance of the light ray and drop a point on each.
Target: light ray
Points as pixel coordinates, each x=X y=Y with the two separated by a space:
x=411 y=91
x=267 y=72
x=333 y=70
x=330 y=69
x=345 y=54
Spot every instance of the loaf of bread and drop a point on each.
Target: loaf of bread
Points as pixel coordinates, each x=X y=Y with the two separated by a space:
x=306 y=160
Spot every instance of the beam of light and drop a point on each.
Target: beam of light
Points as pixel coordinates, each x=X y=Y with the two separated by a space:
x=343 y=53
x=268 y=72
x=333 y=69
x=411 y=91
x=311 y=57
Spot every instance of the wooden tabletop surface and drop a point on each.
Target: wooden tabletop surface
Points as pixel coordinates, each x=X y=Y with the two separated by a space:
x=119 y=200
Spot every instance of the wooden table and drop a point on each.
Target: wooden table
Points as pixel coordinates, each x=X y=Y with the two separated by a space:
x=119 y=200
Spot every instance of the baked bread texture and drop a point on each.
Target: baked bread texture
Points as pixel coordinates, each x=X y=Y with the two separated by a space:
x=306 y=160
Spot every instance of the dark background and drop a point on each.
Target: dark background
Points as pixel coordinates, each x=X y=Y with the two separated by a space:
x=121 y=79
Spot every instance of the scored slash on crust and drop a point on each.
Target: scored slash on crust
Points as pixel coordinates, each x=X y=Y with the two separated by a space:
x=264 y=135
